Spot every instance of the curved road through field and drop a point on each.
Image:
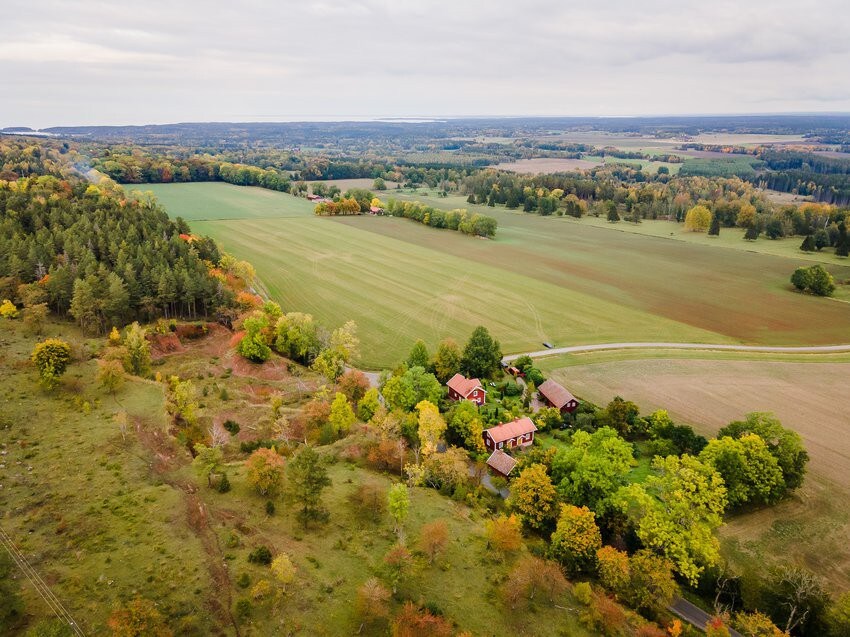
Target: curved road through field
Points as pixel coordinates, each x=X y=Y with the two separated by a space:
x=576 y=349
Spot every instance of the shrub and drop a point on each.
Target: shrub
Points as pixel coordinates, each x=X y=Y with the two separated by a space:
x=814 y=279
x=51 y=358
x=231 y=426
x=243 y=608
x=260 y=555
x=8 y=309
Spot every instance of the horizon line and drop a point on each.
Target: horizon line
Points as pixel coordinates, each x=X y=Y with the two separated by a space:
x=413 y=119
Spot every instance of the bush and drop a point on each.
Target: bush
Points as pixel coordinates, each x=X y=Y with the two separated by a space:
x=583 y=593
x=52 y=358
x=270 y=508
x=260 y=555
x=814 y=279
x=232 y=427
x=224 y=484
x=8 y=309
x=243 y=608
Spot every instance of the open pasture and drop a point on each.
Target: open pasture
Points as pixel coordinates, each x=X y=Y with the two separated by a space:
x=542 y=279
x=730 y=238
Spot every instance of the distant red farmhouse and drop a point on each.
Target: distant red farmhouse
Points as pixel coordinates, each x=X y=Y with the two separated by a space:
x=463 y=388
x=313 y=197
x=501 y=463
x=376 y=210
x=516 y=433
x=557 y=396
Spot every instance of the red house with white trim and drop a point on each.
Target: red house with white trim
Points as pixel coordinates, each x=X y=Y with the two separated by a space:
x=516 y=433
x=557 y=396
x=463 y=388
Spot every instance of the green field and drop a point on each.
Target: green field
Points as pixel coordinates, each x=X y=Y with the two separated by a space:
x=542 y=279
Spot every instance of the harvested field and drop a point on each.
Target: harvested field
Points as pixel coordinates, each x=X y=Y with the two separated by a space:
x=546 y=165
x=813 y=526
x=710 y=394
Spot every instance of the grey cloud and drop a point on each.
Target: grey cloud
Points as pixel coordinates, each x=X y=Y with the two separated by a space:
x=73 y=61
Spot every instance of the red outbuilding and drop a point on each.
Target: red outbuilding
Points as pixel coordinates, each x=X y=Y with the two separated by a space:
x=463 y=388
x=516 y=433
x=557 y=396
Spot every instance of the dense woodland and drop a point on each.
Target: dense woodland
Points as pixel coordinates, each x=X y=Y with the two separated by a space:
x=89 y=251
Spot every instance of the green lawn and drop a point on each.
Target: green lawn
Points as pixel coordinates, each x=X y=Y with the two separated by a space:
x=542 y=279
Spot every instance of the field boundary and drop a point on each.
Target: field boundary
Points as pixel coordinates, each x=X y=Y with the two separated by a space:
x=575 y=349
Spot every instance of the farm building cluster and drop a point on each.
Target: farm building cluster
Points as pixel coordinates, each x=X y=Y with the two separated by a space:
x=517 y=434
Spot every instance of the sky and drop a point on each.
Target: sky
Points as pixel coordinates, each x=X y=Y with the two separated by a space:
x=78 y=62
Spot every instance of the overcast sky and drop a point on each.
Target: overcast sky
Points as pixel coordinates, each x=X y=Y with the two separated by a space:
x=67 y=62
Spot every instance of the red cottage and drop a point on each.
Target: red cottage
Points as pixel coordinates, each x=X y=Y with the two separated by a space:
x=516 y=433
x=463 y=388
x=557 y=396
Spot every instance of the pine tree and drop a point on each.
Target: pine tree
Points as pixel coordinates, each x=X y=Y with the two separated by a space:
x=306 y=478
x=808 y=244
x=842 y=246
x=714 y=228
x=751 y=234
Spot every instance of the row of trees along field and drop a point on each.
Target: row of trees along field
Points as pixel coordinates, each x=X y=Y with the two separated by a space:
x=732 y=201
x=267 y=167
x=90 y=251
x=357 y=200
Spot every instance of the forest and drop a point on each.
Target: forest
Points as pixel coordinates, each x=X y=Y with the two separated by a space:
x=90 y=251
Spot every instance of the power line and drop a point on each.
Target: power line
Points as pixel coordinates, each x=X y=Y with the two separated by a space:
x=40 y=586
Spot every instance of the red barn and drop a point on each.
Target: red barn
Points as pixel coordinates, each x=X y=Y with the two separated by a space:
x=557 y=396
x=516 y=433
x=463 y=388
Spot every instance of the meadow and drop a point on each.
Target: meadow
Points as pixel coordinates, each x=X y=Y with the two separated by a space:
x=541 y=279
x=90 y=506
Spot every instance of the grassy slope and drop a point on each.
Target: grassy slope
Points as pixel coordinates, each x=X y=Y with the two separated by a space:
x=102 y=518
x=333 y=561
x=542 y=279
x=88 y=508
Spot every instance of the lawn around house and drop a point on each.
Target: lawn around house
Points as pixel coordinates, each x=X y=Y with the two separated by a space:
x=541 y=278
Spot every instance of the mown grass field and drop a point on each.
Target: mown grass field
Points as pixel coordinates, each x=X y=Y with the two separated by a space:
x=542 y=279
x=813 y=527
